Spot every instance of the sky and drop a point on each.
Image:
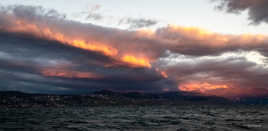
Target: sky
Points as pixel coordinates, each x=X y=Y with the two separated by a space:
x=212 y=47
x=197 y=13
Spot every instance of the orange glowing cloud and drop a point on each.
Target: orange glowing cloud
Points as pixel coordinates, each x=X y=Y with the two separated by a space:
x=221 y=90
x=136 y=61
x=211 y=39
x=95 y=47
x=48 y=33
x=69 y=74
x=201 y=87
x=164 y=74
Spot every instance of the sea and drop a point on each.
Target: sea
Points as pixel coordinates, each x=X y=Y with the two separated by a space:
x=136 y=118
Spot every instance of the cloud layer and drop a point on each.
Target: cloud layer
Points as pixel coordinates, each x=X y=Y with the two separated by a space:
x=41 y=51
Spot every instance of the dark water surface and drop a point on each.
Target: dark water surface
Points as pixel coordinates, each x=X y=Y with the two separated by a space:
x=130 y=118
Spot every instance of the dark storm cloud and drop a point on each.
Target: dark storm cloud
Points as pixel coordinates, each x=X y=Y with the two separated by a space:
x=40 y=47
x=22 y=60
x=38 y=51
x=257 y=9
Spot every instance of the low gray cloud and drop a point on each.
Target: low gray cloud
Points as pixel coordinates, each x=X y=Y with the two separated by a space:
x=92 y=13
x=137 y=23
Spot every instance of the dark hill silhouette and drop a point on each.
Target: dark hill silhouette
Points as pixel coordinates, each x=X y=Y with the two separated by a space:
x=106 y=97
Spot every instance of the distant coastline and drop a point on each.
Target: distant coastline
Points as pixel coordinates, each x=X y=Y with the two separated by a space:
x=104 y=97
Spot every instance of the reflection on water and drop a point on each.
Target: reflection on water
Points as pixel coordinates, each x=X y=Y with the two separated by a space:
x=156 y=118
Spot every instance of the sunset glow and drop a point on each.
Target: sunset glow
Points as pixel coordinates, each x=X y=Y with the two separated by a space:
x=134 y=65
x=46 y=32
x=152 y=56
x=136 y=61
x=164 y=74
x=201 y=87
x=216 y=40
x=69 y=74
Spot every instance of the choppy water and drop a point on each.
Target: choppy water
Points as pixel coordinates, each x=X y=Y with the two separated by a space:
x=156 y=118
